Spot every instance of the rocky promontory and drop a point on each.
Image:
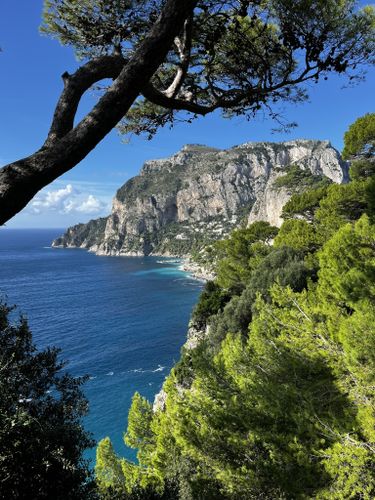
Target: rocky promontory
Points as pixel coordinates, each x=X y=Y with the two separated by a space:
x=178 y=204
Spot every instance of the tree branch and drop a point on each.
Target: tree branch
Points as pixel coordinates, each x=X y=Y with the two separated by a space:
x=160 y=99
x=75 y=86
x=21 y=180
x=183 y=46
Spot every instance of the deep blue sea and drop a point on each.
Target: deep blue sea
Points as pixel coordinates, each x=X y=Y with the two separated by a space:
x=121 y=320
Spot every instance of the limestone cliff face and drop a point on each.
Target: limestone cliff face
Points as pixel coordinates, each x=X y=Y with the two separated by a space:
x=180 y=203
x=318 y=157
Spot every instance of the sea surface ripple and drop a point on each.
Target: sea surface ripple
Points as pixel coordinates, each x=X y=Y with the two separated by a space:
x=120 y=320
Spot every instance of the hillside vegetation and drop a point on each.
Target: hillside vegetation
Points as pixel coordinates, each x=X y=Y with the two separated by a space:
x=277 y=400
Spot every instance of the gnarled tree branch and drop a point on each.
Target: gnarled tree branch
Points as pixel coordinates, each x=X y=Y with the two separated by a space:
x=67 y=146
x=75 y=86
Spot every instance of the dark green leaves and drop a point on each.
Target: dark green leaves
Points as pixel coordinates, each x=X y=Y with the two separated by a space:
x=41 y=434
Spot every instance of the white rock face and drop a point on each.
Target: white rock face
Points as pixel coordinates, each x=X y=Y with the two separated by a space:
x=319 y=157
x=160 y=401
x=201 y=193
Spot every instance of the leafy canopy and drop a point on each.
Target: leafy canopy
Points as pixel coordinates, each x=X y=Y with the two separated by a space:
x=304 y=205
x=297 y=178
x=359 y=145
x=359 y=140
x=239 y=56
x=239 y=254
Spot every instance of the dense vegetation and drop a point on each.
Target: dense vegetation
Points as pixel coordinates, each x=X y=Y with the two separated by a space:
x=277 y=399
x=41 y=407
x=297 y=178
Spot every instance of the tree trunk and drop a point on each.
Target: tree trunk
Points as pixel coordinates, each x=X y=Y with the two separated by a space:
x=21 y=180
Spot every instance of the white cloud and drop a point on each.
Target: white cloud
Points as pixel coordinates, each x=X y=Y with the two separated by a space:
x=90 y=205
x=52 y=200
x=67 y=200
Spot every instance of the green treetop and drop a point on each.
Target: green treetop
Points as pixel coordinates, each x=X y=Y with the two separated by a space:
x=359 y=140
x=239 y=254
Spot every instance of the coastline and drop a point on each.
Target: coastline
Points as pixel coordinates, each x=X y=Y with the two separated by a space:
x=184 y=263
x=195 y=270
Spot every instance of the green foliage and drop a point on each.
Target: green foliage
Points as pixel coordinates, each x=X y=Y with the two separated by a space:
x=359 y=140
x=312 y=217
x=240 y=253
x=348 y=264
x=304 y=205
x=267 y=404
x=211 y=301
x=108 y=471
x=362 y=169
x=252 y=418
x=298 y=178
x=139 y=435
x=95 y=26
x=343 y=203
x=41 y=410
x=359 y=145
x=254 y=54
x=119 y=478
x=297 y=234
x=352 y=467
x=283 y=265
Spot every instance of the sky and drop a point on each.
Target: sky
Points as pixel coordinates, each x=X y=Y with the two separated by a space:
x=30 y=83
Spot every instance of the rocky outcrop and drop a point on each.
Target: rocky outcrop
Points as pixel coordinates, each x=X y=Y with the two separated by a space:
x=318 y=157
x=197 y=270
x=195 y=335
x=88 y=235
x=179 y=204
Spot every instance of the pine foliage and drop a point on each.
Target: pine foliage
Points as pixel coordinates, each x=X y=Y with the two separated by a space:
x=277 y=400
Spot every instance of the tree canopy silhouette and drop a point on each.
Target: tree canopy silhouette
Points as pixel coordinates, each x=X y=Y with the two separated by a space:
x=41 y=410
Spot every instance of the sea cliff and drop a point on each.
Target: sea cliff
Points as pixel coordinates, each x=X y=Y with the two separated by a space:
x=177 y=205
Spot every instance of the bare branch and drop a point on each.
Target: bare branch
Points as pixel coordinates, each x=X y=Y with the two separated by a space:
x=75 y=86
x=183 y=46
x=160 y=99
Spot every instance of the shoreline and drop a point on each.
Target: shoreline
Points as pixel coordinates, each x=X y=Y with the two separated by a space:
x=195 y=270
x=187 y=265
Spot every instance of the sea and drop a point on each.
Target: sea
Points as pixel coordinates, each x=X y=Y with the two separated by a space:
x=119 y=320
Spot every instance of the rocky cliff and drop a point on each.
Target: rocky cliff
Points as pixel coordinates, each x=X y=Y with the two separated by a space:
x=178 y=204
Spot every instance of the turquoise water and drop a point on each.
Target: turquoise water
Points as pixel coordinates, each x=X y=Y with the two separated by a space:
x=120 y=320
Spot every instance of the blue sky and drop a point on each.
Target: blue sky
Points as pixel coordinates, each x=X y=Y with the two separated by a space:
x=30 y=83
